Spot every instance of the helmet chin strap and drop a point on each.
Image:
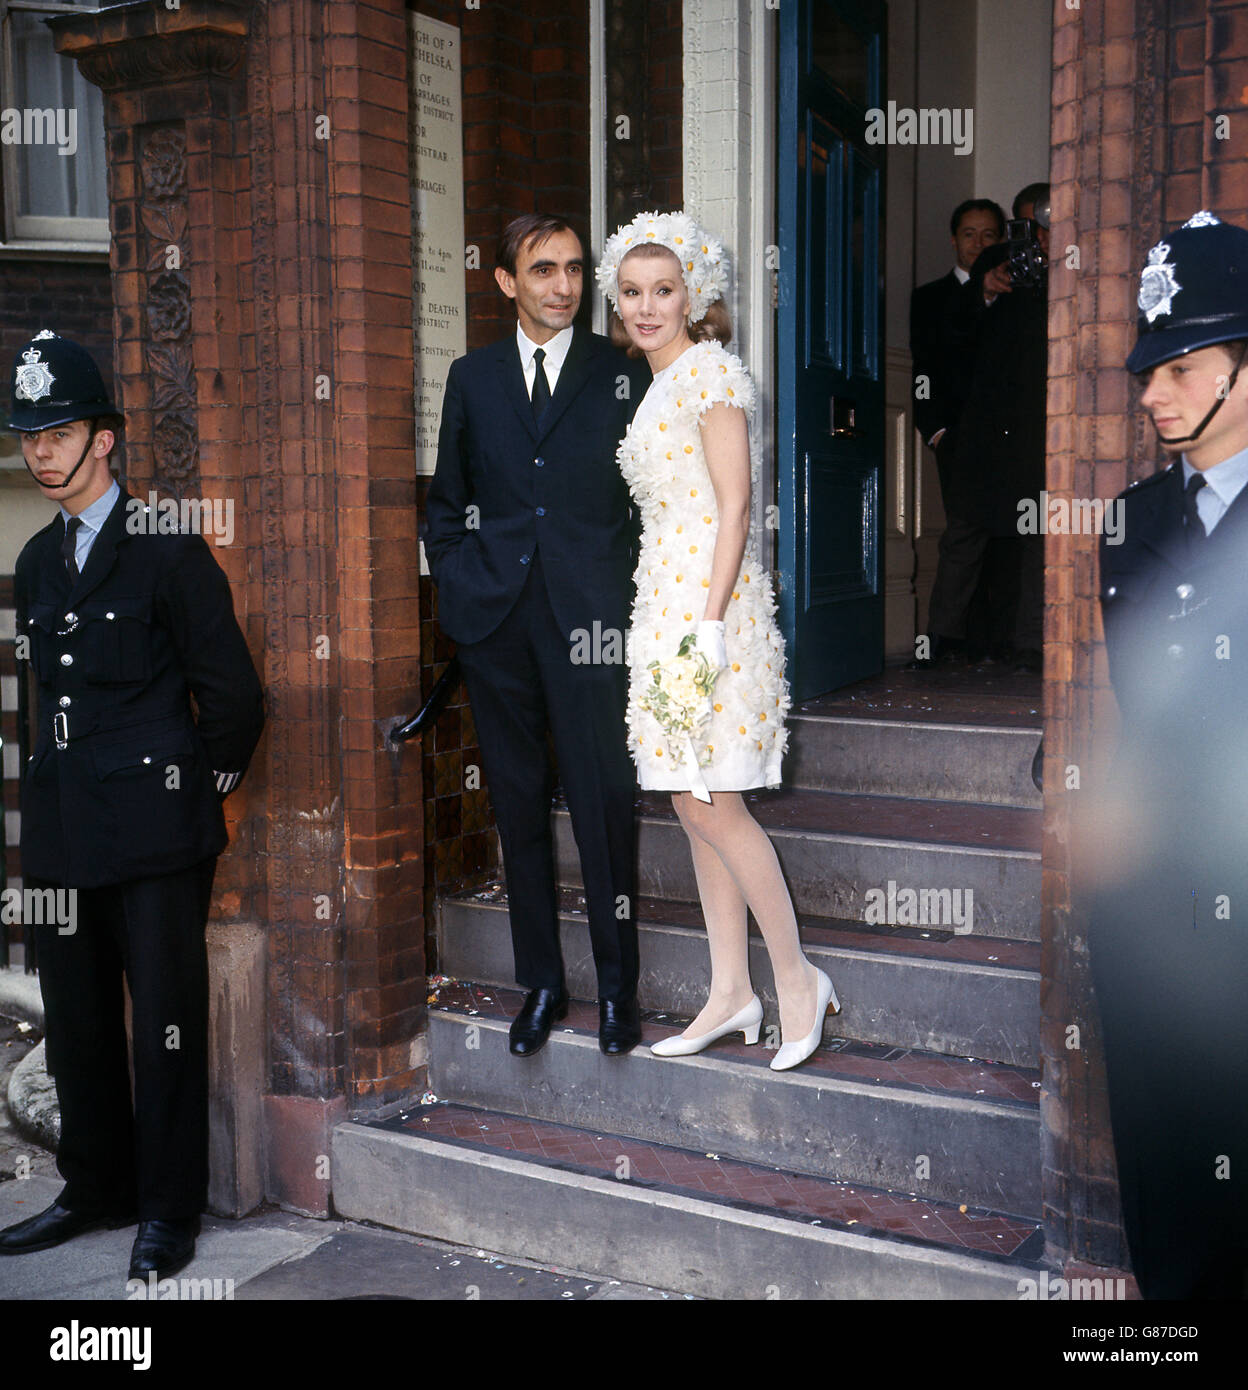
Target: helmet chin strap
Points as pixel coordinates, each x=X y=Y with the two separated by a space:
x=1217 y=405
x=82 y=458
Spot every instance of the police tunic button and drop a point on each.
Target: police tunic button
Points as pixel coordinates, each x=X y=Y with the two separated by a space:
x=1111 y=591
x=110 y=616
x=147 y=760
x=65 y=702
x=1174 y=651
x=71 y=617
x=1185 y=591
x=524 y=559
x=66 y=659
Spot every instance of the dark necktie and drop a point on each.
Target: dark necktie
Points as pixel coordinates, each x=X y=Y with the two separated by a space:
x=541 y=387
x=68 y=546
x=1191 y=516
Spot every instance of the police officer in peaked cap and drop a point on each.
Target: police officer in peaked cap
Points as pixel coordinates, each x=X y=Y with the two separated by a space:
x=1169 y=921
x=122 y=815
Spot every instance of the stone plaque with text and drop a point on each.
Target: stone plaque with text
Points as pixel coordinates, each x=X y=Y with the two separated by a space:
x=438 y=298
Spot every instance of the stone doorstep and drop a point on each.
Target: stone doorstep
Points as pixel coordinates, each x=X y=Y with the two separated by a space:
x=961 y=995
x=942 y=761
x=696 y=1223
x=857 y=1112
x=831 y=864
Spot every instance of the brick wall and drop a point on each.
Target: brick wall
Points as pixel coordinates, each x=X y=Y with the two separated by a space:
x=72 y=298
x=1137 y=85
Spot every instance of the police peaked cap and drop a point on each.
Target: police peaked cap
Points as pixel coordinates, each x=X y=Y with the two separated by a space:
x=54 y=382
x=1193 y=291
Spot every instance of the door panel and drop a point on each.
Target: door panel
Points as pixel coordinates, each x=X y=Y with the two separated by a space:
x=830 y=398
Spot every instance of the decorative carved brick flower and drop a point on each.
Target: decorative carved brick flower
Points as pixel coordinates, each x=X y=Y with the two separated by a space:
x=175 y=447
x=169 y=306
x=164 y=164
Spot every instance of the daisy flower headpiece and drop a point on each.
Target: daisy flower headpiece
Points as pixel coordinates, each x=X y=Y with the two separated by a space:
x=703 y=262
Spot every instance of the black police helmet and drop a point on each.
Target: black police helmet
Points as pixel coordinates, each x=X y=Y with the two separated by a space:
x=54 y=382
x=1193 y=291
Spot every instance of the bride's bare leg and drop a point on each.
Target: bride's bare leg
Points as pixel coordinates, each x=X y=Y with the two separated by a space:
x=727 y=929
x=748 y=858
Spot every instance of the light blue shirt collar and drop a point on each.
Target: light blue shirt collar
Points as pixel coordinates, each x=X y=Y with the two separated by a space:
x=92 y=518
x=1226 y=479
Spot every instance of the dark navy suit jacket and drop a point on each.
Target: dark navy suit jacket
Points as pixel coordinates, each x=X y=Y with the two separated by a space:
x=505 y=488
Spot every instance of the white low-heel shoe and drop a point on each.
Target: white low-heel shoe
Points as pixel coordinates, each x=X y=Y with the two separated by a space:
x=749 y=1021
x=791 y=1053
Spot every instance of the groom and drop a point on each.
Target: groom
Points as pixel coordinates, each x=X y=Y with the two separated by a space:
x=529 y=542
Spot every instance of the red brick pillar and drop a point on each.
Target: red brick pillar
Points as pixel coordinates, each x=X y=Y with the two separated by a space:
x=269 y=363
x=1138 y=147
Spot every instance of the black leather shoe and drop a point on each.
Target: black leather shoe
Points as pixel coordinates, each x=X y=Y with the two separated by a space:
x=530 y=1028
x=619 y=1026
x=163 y=1247
x=54 y=1226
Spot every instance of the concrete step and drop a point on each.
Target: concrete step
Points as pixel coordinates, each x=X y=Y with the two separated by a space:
x=895 y=757
x=968 y=996
x=836 y=849
x=948 y=1128
x=668 y=1217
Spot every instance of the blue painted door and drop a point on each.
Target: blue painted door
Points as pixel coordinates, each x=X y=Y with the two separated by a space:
x=830 y=388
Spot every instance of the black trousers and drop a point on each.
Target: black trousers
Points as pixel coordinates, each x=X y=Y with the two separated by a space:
x=1014 y=600
x=153 y=1155
x=1171 y=980
x=522 y=682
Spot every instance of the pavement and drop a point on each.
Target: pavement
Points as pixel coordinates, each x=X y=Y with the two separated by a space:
x=276 y=1255
x=271 y=1255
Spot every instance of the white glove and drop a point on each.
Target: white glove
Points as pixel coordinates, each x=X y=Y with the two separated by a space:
x=711 y=643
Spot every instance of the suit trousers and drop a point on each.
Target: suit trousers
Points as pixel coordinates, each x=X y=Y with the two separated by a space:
x=522 y=682
x=153 y=1155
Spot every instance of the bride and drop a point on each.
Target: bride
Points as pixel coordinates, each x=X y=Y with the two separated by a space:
x=707 y=694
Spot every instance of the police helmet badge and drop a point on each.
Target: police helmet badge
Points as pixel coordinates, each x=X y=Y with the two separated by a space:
x=1157 y=283
x=33 y=378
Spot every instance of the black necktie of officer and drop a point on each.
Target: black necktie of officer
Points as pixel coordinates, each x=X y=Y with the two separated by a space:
x=68 y=547
x=541 y=387
x=1191 y=514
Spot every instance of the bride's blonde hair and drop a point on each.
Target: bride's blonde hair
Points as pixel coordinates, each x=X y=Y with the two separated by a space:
x=715 y=324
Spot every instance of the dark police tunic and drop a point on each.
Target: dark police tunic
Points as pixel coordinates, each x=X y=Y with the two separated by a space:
x=121 y=803
x=1169 y=934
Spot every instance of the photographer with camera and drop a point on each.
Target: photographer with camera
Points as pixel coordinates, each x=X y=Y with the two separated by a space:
x=1000 y=327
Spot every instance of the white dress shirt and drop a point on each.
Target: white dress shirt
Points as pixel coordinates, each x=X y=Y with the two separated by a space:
x=552 y=364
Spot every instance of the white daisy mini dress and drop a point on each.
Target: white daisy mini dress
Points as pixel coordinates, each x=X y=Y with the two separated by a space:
x=662 y=460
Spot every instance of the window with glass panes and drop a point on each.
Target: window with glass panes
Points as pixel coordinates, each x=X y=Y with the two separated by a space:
x=51 y=135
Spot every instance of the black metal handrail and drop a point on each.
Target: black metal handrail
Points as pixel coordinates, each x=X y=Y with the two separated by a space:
x=428 y=713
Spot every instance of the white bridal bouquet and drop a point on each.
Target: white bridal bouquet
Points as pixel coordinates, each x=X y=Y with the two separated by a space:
x=679 y=694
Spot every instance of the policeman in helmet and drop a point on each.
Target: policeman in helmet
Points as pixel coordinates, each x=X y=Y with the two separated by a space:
x=121 y=815
x=1169 y=930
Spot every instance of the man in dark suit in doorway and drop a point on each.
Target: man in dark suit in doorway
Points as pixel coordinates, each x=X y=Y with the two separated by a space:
x=529 y=540
x=942 y=383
